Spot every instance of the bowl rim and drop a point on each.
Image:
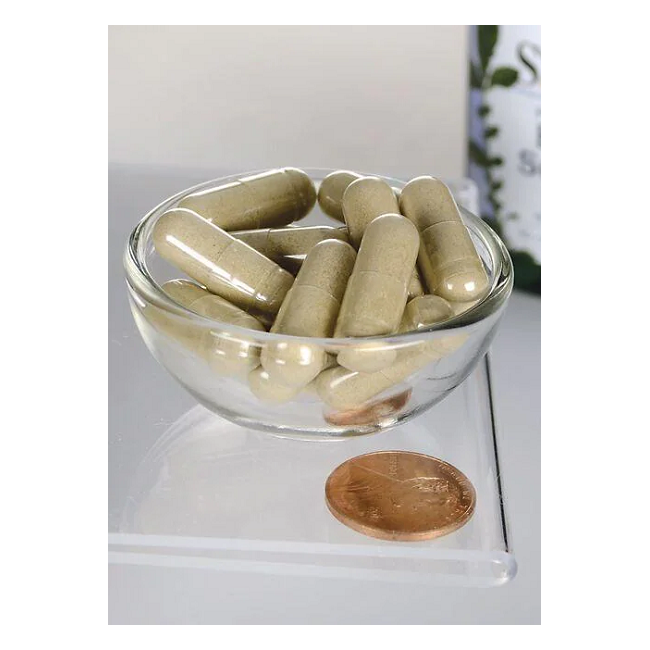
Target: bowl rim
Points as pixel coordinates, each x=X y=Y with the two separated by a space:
x=143 y=286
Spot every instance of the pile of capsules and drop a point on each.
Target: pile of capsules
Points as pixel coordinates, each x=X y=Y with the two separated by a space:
x=402 y=261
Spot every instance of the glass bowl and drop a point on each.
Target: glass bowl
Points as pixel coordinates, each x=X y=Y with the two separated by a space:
x=429 y=363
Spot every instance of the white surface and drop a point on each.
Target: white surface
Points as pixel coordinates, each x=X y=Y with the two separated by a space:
x=163 y=595
x=390 y=98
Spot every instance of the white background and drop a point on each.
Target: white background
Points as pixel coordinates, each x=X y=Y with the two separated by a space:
x=389 y=99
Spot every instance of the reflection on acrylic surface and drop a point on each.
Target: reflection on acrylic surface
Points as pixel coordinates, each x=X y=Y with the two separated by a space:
x=209 y=477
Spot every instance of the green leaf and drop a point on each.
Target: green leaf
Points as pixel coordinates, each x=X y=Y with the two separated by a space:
x=491 y=131
x=478 y=155
x=487 y=39
x=497 y=161
x=497 y=206
x=475 y=75
x=528 y=274
x=483 y=110
x=504 y=76
x=495 y=186
x=495 y=225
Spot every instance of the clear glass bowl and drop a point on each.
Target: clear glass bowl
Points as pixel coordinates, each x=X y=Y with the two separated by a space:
x=434 y=360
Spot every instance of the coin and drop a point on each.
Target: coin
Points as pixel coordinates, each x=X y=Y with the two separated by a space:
x=379 y=411
x=400 y=495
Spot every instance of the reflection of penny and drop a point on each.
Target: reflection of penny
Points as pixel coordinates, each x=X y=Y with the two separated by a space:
x=372 y=413
x=400 y=495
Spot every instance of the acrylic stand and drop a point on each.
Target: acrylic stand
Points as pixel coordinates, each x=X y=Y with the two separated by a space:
x=210 y=494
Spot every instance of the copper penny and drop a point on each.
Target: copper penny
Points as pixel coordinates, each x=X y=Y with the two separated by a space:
x=372 y=413
x=400 y=495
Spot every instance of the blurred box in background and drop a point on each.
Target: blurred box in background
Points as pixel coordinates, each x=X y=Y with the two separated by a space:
x=505 y=121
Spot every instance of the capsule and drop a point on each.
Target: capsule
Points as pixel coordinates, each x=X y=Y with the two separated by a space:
x=461 y=307
x=364 y=200
x=279 y=243
x=344 y=389
x=367 y=357
x=268 y=390
x=378 y=287
x=448 y=259
x=423 y=311
x=218 y=261
x=309 y=310
x=288 y=249
x=377 y=291
x=415 y=288
x=182 y=330
x=184 y=292
x=226 y=352
x=273 y=198
x=331 y=190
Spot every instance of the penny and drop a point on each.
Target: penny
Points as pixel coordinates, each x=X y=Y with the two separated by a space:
x=376 y=412
x=400 y=495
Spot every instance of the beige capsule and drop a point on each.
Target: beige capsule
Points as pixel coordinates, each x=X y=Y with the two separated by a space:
x=377 y=291
x=448 y=259
x=364 y=200
x=182 y=330
x=424 y=311
x=344 y=389
x=367 y=357
x=331 y=190
x=461 y=307
x=268 y=390
x=310 y=392
x=279 y=243
x=184 y=292
x=226 y=266
x=416 y=286
x=293 y=263
x=288 y=249
x=227 y=352
x=309 y=310
x=272 y=198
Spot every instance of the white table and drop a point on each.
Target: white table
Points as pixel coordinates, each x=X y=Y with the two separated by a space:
x=144 y=399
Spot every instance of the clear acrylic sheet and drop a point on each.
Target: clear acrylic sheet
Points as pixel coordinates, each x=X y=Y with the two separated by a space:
x=211 y=494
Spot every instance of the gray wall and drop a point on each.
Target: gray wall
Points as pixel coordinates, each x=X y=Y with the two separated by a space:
x=384 y=99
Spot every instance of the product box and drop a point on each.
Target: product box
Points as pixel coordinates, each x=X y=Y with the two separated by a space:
x=505 y=149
